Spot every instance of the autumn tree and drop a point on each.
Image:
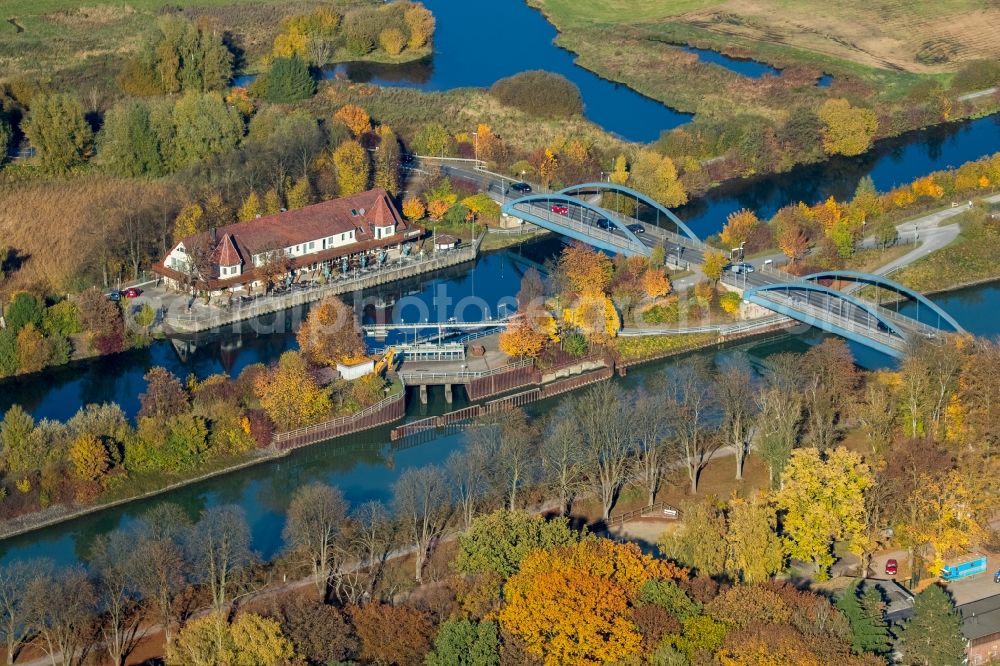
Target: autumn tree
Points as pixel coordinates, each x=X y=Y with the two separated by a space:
x=714 y=264
x=329 y=334
x=823 y=500
x=164 y=396
x=521 y=340
x=740 y=225
x=405 y=645
x=315 y=518
x=420 y=24
x=573 y=604
x=251 y=209
x=353 y=168
x=655 y=175
x=387 y=160
x=414 y=209
x=754 y=549
x=320 y=633
x=272 y=202
x=700 y=542
x=933 y=636
x=585 y=269
x=847 y=130
x=89 y=457
x=355 y=118
x=655 y=282
x=290 y=394
x=496 y=543
x=251 y=640
x=793 y=242
x=56 y=127
x=300 y=194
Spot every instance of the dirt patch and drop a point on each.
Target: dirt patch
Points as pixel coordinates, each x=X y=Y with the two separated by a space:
x=891 y=34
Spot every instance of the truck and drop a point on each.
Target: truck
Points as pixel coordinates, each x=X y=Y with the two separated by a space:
x=963 y=567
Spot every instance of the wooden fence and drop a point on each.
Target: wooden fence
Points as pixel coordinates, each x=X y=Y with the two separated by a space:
x=658 y=510
x=384 y=411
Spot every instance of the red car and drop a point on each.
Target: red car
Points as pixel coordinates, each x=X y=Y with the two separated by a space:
x=133 y=292
x=560 y=210
x=890 y=567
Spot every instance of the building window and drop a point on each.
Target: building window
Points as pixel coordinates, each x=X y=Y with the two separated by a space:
x=342 y=236
x=312 y=245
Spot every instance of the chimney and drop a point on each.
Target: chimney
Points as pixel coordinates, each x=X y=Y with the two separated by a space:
x=215 y=236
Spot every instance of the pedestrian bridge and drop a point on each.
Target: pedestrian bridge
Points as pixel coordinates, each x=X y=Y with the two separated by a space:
x=813 y=300
x=572 y=212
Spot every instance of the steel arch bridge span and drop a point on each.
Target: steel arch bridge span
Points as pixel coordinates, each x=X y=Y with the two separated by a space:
x=886 y=283
x=580 y=223
x=639 y=196
x=892 y=341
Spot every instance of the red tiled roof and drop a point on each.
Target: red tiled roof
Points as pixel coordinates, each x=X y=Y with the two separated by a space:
x=359 y=213
x=226 y=253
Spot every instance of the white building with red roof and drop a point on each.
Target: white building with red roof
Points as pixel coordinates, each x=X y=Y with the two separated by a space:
x=324 y=237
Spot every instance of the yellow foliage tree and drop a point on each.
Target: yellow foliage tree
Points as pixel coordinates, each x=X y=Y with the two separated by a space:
x=656 y=175
x=33 y=350
x=739 y=226
x=189 y=221
x=300 y=195
x=414 y=209
x=89 y=457
x=847 y=130
x=329 y=334
x=714 y=263
x=520 y=340
x=290 y=394
x=548 y=166
x=355 y=118
x=251 y=640
x=392 y=41
x=251 y=208
x=353 y=168
x=792 y=242
x=420 y=23
x=573 y=605
x=655 y=283
x=272 y=202
x=595 y=315
x=927 y=187
x=619 y=172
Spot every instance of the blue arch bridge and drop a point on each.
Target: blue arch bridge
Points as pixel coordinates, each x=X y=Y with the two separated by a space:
x=606 y=216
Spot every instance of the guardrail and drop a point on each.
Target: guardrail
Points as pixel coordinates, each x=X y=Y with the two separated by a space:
x=415 y=377
x=321 y=430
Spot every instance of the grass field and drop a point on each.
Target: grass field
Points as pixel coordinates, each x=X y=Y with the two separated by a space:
x=920 y=37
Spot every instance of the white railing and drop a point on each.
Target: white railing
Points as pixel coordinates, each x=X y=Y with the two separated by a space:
x=416 y=377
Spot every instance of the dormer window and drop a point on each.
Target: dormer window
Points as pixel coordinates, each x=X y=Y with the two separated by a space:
x=354 y=212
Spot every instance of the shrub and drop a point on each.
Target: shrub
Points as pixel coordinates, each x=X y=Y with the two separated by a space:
x=540 y=94
x=977 y=75
x=289 y=80
x=361 y=31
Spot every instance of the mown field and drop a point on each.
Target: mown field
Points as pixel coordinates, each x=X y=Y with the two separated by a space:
x=921 y=37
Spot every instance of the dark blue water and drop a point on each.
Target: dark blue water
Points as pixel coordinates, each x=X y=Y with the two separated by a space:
x=753 y=69
x=890 y=162
x=478 y=43
x=825 y=81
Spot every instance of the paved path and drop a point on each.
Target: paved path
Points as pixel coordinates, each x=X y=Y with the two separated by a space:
x=979 y=93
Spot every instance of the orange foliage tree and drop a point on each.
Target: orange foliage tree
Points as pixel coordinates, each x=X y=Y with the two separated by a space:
x=521 y=340
x=438 y=208
x=328 y=335
x=414 y=209
x=586 y=270
x=392 y=634
x=573 y=605
x=739 y=226
x=655 y=283
x=793 y=242
x=356 y=118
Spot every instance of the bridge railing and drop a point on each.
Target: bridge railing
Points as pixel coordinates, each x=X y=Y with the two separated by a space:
x=580 y=227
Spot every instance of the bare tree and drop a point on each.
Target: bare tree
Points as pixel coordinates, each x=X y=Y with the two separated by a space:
x=468 y=470
x=117 y=594
x=650 y=439
x=421 y=502
x=779 y=421
x=157 y=567
x=736 y=393
x=219 y=545
x=63 y=606
x=362 y=552
x=689 y=398
x=876 y=415
x=15 y=620
x=514 y=462
x=562 y=455
x=607 y=429
x=830 y=380
x=315 y=518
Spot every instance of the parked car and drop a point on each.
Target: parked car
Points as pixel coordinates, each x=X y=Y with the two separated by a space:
x=742 y=268
x=523 y=188
x=559 y=209
x=115 y=296
x=637 y=228
x=133 y=292
x=891 y=566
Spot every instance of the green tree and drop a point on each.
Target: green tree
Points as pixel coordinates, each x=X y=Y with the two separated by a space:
x=464 y=642
x=15 y=434
x=203 y=125
x=387 y=160
x=496 y=543
x=129 y=144
x=56 y=127
x=6 y=136
x=434 y=140
x=61 y=318
x=701 y=541
x=186 y=57
x=22 y=310
x=668 y=595
x=288 y=80
x=353 y=168
x=8 y=352
x=864 y=613
x=933 y=636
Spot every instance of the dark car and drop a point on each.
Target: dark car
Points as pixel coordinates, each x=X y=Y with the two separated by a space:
x=133 y=292
x=523 y=188
x=115 y=296
x=637 y=228
x=605 y=224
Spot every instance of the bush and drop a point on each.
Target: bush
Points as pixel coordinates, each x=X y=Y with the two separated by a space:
x=540 y=94
x=977 y=75
x=361 y=31
x=575 y=344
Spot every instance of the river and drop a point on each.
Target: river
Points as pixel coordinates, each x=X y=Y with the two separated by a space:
x=364 y=466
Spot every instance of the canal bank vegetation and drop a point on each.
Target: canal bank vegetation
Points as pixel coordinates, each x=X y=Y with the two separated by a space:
x=458 y=569
x=746 y=126
x=181 y=430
